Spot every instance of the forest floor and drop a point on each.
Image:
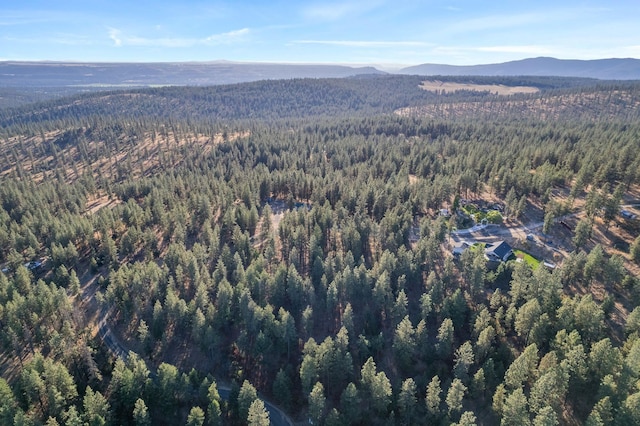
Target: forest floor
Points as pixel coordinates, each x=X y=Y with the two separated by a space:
x=99 y=201
x=137 y=158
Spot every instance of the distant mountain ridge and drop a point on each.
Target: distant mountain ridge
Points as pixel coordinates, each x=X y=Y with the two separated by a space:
x=606 y=69
x=57 y=74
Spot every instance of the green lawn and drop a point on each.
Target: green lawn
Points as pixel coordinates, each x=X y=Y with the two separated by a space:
x=531 y=261
x=493 y=216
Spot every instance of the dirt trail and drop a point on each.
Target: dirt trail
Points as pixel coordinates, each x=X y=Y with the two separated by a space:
x=96 y=317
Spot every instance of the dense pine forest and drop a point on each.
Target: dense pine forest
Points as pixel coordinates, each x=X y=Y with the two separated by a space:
x=282 y=251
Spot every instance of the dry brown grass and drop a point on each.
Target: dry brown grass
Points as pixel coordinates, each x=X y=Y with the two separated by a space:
x=498 y=89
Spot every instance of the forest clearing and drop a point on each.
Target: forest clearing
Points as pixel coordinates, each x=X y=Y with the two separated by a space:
x=498 y=89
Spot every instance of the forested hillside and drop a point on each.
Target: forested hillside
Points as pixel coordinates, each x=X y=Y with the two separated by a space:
x=199 y=255
x=279 y=99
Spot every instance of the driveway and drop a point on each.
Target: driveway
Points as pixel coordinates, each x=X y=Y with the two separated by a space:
x=276 y=416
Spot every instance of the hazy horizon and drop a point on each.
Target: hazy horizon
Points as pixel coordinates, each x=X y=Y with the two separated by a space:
x=379 y=66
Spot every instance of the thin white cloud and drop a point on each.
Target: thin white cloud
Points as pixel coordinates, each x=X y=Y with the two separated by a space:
x=12 y=18
x=8 y=23
x=487 y=23
x=529 y=50
x=72 y=40
x=119 y=39
x=560 y=15
x=366 y=43
x=338 y=10
x=31 y=17
x=330 y=12
x=114 y=35
x=64 y=39
x=226 y=38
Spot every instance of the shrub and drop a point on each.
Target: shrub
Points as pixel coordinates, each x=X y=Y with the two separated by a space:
x=494 y=216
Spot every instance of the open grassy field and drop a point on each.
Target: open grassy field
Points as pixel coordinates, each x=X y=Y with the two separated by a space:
x=498 y=89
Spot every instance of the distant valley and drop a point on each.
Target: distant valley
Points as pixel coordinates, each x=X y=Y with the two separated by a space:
x=109 y=75
x=55 y=74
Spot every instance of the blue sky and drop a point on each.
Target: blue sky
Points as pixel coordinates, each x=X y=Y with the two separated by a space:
x=354 y=31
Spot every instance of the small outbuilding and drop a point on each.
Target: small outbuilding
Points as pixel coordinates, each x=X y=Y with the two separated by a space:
x=460 y=248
